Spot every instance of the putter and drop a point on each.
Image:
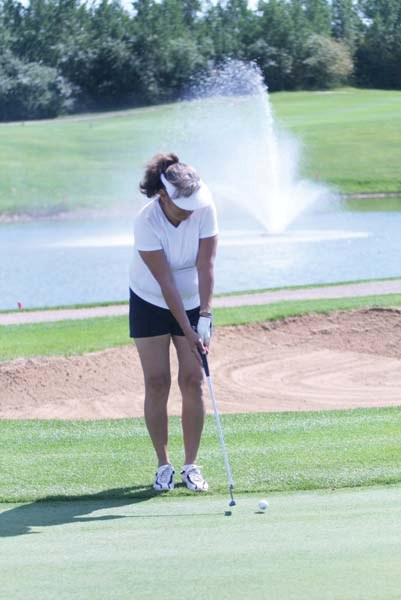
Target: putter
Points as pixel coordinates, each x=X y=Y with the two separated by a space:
x=219 y=429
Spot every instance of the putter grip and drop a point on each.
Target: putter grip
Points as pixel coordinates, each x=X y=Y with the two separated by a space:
x=205 y=364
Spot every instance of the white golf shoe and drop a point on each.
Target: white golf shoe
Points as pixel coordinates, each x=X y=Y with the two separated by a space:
x=164 y=480
x=192 y=476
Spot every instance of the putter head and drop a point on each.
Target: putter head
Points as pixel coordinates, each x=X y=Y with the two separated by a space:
x=232 y=503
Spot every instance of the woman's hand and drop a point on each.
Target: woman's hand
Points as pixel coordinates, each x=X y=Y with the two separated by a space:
x=204 y=329
x=195 y=343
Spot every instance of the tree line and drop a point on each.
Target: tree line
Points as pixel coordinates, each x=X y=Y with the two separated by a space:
x=63 y=56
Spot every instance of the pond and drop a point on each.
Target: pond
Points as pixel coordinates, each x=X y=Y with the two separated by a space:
x=79 y=261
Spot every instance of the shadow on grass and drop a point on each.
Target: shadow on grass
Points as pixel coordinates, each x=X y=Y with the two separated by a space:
x=59 y=510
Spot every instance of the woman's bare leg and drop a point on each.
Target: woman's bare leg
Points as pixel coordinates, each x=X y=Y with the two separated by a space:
x=190 y=379
x=155 y=359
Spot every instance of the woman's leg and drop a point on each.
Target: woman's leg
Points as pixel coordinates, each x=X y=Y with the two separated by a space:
x=190 y=380
x=155 y=359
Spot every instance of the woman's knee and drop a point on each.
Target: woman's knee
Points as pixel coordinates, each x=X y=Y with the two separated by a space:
x=157 y=385
x=191 y=382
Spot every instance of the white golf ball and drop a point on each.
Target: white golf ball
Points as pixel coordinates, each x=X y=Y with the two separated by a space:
x=263 y=504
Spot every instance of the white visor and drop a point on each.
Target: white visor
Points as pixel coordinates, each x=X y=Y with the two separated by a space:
x=202 y=197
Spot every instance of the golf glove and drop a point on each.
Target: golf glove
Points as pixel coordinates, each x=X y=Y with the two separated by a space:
x=204 y=329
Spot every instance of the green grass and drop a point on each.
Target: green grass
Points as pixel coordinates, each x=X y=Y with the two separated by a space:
x=108 y=303
x=268 y=452
x=64 y=165
x=351 y=140
x=63 y=337
x=307 y=546
x=90 y=335
x=372 y=204
x=241 y=315
x=79 y=517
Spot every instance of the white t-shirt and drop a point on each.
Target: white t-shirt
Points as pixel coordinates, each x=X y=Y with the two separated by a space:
x=153 y=231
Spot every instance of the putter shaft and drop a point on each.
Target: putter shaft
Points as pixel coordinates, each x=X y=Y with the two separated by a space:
x=219 y=429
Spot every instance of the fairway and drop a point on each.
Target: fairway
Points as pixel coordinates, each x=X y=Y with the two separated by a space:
x=341 y=545
x=350 y=140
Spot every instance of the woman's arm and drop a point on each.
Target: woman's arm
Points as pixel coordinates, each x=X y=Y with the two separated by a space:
x=205 y=266
x=157 y=264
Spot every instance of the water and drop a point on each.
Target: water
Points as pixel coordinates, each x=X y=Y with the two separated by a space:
x=50 y=263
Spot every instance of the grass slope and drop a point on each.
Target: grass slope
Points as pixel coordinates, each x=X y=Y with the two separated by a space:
x=351 y=137
x=268 y=452
x=351 y=140
x=90 y=335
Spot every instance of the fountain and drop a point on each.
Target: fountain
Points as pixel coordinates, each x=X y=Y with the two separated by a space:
x=228 y=131
x=276 y=228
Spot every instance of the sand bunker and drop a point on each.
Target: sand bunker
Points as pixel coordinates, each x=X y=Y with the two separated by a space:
x=346 y=359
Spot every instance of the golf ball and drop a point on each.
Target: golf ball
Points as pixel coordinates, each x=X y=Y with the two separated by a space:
x=263 y=504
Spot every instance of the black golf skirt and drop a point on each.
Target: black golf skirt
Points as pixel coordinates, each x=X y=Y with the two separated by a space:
x=148 y=320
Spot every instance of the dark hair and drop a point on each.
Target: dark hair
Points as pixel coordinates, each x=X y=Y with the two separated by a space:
x=184 y=178
x=151 y=183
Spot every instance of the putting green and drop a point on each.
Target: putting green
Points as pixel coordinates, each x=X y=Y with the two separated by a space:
x=341 y=545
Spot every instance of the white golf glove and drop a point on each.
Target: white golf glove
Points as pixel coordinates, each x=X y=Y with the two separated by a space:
x=204 y=329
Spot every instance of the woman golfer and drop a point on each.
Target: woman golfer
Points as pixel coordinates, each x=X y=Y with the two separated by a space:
x=171 y=285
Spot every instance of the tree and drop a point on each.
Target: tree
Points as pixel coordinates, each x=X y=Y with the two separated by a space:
x=317 y=13
x=10 y=20
x=99 y=59
x=169 y=43
x=102 y=56
x=300 y=31
x=273 y=41
x=328 y=63
x=42 y=25
x=230 y=26
x=346 y=23
x=31 y=90
x=378 y=57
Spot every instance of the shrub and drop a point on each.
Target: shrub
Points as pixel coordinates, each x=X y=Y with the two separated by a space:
x=327 y=63
x=31 y=90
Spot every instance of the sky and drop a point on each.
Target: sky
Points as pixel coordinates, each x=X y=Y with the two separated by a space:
x=128 y=3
